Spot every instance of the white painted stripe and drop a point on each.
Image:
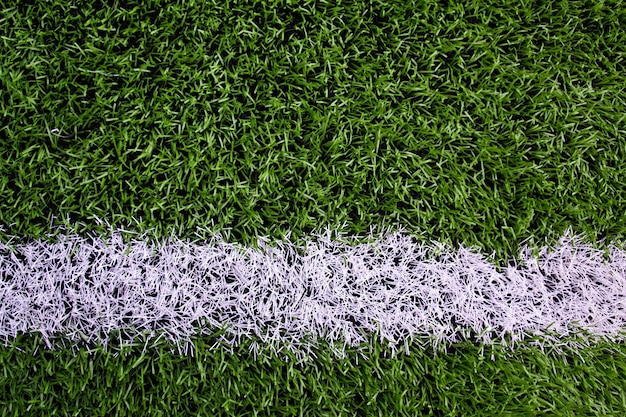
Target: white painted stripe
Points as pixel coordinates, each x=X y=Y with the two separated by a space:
x=389 y=285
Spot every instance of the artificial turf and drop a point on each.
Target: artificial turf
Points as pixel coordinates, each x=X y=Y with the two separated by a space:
x=150 y=380
x=477 y=123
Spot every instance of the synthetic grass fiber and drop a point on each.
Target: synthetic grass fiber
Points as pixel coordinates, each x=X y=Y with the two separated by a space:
x=483 y=125
x=288 y=297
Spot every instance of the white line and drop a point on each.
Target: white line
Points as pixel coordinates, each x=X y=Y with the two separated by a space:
x=392 y=287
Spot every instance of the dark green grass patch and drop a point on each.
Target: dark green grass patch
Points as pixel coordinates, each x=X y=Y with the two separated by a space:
x=36 y=381
x=470 y=123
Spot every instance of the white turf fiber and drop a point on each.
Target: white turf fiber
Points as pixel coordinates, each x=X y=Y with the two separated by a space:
x=388 y=286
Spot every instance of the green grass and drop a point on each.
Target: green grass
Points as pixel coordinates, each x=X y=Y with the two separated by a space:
x=471 y=124
x=213 y=382
x=476 y=123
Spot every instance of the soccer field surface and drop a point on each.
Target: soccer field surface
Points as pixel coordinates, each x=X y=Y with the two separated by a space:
x=306 y=208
